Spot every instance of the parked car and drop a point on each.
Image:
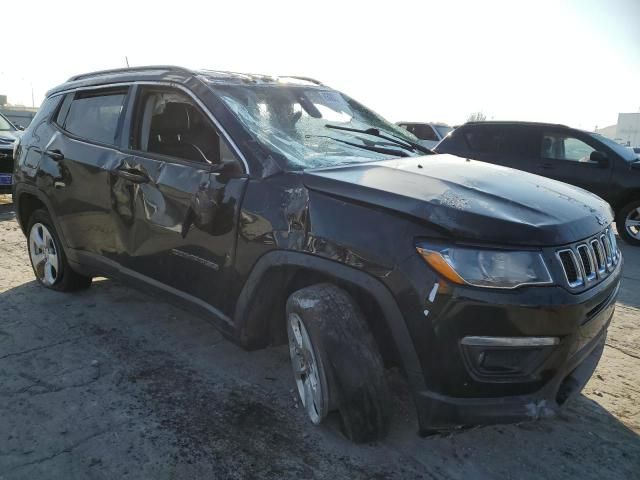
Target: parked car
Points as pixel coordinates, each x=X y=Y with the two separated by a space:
x=429 y=134
x=8 y=135
x=286 y=211
x=585 y=159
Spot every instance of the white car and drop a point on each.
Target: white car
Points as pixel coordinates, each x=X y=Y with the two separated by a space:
x=429 y=134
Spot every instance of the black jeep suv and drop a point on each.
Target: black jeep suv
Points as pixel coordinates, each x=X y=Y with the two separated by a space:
x=285 y=211
x=584 y=159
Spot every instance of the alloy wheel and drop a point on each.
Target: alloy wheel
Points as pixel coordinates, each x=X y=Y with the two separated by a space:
x=632 y=223
x=305 y=370
x=43 y=253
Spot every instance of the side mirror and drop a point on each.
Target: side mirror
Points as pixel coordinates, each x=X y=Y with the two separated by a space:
x=600 y=158
x=19 y=127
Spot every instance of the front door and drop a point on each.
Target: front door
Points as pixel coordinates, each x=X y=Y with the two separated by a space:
x=566 y=157
x=180 y=193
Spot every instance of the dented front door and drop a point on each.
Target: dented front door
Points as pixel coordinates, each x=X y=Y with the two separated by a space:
x=182 y=218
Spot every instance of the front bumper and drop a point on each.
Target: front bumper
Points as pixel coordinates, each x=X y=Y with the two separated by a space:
x=458 y=394
x=437 y=411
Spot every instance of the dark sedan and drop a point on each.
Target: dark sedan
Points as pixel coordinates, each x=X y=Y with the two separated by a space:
x=8 y=135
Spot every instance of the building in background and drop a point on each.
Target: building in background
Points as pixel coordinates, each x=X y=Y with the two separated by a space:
x=19 y=115
x=626 y=131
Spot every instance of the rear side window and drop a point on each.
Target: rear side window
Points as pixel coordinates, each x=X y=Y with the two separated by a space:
x=95 y=116
x=424 y=132
x=513 y=141
x=483 y=140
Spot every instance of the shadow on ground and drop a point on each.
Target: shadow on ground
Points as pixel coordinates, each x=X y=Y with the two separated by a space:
x=114 y=383
x=6 y=208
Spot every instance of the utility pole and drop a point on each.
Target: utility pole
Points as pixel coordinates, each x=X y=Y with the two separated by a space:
x=126 y=60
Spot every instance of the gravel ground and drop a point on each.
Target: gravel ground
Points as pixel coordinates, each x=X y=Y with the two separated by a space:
x=113 y=383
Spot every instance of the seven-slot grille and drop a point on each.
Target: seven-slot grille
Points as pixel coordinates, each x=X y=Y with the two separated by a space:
x=589 y=261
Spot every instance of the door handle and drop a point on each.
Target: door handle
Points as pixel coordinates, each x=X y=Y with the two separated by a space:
x=55 y=154
x=132 y=174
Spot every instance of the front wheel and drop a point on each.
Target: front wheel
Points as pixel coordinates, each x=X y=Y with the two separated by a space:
x=628 y=222
x=336 y=363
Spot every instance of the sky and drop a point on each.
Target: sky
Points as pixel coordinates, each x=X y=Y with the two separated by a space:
x=572 y=62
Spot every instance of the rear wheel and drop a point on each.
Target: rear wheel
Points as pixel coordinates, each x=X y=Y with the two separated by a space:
x=336 y=363
x=628 y=222
x=48 y=259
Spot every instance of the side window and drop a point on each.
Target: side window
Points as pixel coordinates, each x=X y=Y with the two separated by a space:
x=408 y=127
x=95 y=115
x=64 y=109
x=169 y=123
x=425 y=132
x=44 y=112
x=483 y=140
x=518 y=143
x=558 y=146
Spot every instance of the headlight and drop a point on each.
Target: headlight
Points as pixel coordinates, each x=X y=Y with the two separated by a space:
x=487 y=268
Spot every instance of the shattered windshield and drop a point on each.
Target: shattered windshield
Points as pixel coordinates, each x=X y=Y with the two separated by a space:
x=292 y=121
x=5 y=125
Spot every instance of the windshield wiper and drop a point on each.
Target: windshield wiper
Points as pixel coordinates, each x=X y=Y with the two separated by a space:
x=390 y=138
x=385 y=151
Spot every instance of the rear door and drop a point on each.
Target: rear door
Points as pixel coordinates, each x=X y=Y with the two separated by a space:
x=180 y=195
x=78 y=158
x=564 y=155
x=508 y=145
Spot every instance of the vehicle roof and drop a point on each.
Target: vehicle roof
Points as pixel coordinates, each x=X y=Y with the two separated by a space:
x=437 y=124
x=177 y=75
x=516 y=122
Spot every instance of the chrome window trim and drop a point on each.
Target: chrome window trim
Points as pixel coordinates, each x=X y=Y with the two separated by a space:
x=212 y=117
x=478 y=341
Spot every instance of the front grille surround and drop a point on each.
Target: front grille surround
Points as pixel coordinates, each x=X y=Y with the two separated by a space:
x=588 y=262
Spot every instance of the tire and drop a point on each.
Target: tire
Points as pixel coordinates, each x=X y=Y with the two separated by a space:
x=348 y=367
x=48 y=259
x=629 y=213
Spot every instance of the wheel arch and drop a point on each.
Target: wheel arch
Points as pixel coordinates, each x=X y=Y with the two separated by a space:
x=259 y=314
x=27 y=201
x=629 y=196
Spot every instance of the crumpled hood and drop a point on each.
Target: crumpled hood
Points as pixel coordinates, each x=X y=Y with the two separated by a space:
x=470 y=200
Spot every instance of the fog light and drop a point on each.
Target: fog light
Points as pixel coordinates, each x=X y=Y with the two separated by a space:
x=500 y=357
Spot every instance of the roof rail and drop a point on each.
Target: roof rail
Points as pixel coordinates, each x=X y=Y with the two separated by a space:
x=306 y=79
x=514 y=122
x=130 y=69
